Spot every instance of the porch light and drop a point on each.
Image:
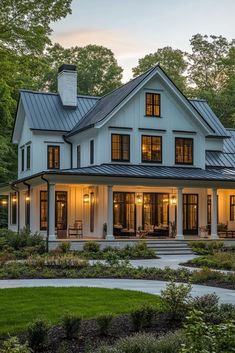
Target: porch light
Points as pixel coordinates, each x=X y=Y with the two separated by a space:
x=173 y=200
x=139 y=199
x=14 y=199
x=4 y=202
x=85 y=198
x=27 y=198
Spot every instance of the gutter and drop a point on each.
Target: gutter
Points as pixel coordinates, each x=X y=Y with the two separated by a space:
x=18 y=208
x=71 y=151
x=48 y=211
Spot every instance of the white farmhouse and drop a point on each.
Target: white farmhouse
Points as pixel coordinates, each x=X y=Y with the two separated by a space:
x=139 y=161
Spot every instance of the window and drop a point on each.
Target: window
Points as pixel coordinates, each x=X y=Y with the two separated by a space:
x=190 y=214
x=183 y=151
x=13 y=208
x=232 y=208
x=151 y=147
x=28 y=157
x=124 y=215
x=43 y=210
x=92 y=152
x=22 y=159
x=53 y=157
x=92 y=211
x=153 y=104
x=61 y=210
x=78 y=156
x=155 y=212
x=120 y=148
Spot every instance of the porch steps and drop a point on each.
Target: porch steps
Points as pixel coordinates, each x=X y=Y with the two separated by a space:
x=169 y=247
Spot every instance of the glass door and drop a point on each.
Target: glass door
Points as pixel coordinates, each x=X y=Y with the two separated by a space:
x=61 y=210
x=124 y=215
x=190 y=214
x=156 y=213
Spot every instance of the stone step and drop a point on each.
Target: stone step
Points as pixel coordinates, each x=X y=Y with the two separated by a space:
x=170 y=247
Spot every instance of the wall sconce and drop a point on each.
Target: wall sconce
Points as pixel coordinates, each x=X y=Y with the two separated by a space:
x=27 y=198
x=85 y=198
x=4 y=202
x=14 y=199
x=139 y=199
x=173 y=200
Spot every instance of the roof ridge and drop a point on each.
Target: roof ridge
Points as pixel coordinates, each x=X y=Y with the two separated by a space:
x=198 y=99
x=57 y=93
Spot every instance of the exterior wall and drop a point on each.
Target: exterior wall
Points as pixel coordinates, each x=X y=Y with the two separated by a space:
x=214 y=144
x=26 y=138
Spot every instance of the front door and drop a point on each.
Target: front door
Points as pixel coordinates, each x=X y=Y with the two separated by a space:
x=61 y=210
x=190 y=214
x=124 y=215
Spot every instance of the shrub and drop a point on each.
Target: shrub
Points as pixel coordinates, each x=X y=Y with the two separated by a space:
x=104 y=322
x=176 y=298
x=64 y=247
x=71 y=325
x=205 y=275
x=24 y=238
x=59 y=261
x=38 y=335
x=12 y=345
x=142 y=317
x=208 y=304
x=91 y=246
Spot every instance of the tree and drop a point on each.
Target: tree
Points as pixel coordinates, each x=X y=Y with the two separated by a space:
x=171 y=60
x=98 y=71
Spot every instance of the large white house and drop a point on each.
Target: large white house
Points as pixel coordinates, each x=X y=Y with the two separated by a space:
x=143 y=157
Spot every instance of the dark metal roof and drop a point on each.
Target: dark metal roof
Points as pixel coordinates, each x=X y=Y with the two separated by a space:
x=220 y=159
x=229 y=144
x=153 y=172
x=45 y=110
x=205 y=110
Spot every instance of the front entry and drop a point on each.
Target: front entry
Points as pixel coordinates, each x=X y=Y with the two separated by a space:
x=190 y=214
x=124 y=214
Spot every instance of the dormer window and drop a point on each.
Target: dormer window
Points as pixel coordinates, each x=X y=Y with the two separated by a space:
x=153 y=104
x=53 y=157
x=183 y=151
x=120 y=148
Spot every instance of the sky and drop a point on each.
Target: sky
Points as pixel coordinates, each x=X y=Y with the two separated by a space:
x=134 y=28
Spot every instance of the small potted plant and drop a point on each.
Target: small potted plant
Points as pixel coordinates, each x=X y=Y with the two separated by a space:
x=203 y=231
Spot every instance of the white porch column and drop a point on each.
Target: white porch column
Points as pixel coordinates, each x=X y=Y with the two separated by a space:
x=214 y=221
x=51 y=205
x=179 y=230
x=109 y=235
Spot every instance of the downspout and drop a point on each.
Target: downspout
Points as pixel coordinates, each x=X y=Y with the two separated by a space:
x=18 y=208
x=71 y=151
x=48 y=211
x=29 y=187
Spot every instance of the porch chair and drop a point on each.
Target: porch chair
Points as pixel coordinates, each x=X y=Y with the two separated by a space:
x=76 y=231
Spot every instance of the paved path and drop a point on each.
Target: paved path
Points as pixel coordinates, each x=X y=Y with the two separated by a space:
x=152 y=287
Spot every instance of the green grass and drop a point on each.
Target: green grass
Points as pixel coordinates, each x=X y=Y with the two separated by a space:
x=20 y=306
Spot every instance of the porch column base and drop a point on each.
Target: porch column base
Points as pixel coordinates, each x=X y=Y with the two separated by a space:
x=109 y=237
x=52 y=237
x=214 y=236
x=179 y=237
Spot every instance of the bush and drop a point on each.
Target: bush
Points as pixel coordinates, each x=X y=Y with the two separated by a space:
x=176 y=298
x=38 y=335
x=91 y=246
x=206 y=247
x=71 y=325
x=59 y=261
x=205 y=275
x=142 y=317
x=23 y=239
x=208 y=304
x=64 y=247
x=12 y=345
x=146 y=343
x=104 y=322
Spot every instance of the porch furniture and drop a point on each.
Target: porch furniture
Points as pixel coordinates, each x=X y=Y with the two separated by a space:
x=157 y=231
x=76 y=231
x=227 y=234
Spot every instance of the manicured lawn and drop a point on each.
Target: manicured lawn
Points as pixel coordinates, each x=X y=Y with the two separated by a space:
x=20 y=306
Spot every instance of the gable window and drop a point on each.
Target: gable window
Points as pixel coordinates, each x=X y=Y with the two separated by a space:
x=43 y=210
x=153 y=104
x=232 y=208
x=28 y=157
x=151 y=147
x=92 y=152
x=78 y=156
x=121 y=148
x=53 y=157
x=13 y=208
x=22 y=159
x=183 y=151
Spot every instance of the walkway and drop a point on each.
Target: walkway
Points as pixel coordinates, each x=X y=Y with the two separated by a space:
x=152 y=287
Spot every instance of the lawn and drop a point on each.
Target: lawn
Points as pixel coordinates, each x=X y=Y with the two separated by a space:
x=20 y=306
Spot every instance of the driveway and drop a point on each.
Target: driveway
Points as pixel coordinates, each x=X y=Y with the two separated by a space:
x=152 y=287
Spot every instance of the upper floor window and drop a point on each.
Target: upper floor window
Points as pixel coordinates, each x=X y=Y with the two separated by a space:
x=120 y=148
x=78 y=156
x=28 y=157
x=22 y=159
x=91 y=151
x=151 y=147
x=53 y=157
x=153 y=104
x=183 y=150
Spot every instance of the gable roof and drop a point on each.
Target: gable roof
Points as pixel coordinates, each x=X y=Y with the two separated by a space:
x=46 y=112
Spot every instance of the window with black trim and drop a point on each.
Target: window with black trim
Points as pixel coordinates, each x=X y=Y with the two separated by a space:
x=78 y=156
x=151 y=147
x=53 y=157
x=153 y=105
x=183 y=150
x=22 y=159
x=91 y=151
x=43 y=210
x=28 y=150
x=13 y=208
x=232 y=208
x=120 y=148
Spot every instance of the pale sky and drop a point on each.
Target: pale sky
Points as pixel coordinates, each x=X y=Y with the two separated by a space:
x=134 y=28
